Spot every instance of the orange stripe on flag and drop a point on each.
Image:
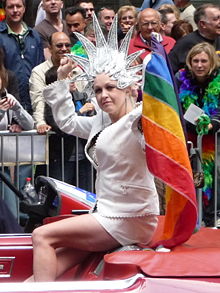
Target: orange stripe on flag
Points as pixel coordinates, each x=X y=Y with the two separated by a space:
x=158 y=137
x=163 y=115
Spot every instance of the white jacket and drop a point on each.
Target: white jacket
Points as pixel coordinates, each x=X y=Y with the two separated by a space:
x=19 y=114
x=124 y=185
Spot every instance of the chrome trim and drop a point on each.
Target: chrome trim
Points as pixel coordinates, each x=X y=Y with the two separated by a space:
x=10 y=260
x=15 y=234
x=70 y=286
x=17 y=247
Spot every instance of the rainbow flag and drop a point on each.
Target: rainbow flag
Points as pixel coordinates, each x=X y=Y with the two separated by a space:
x=166 y=150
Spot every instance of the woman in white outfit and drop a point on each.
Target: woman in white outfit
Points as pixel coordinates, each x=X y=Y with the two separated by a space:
x=127 y=201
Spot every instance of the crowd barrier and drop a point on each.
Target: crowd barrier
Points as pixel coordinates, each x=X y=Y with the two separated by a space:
x=28 y=148
x=216 y=200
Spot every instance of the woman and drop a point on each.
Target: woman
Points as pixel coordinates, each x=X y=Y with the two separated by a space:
x=13 y=118
x=8 y=77
x=180 y=29
x=127 y=17
x=200 y=85
x=127 y=201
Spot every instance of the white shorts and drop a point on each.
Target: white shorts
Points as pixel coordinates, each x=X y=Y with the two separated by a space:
x=133 y=230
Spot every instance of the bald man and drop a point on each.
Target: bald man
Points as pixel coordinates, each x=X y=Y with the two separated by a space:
x=59 y=44
x=149 y=20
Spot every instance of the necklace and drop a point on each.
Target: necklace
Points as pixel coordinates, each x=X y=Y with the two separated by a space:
x=210 y=98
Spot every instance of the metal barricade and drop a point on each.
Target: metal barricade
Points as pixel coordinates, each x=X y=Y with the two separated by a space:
x=17 y=149
x=31 y=148
x=216 y=179
x=92 y=188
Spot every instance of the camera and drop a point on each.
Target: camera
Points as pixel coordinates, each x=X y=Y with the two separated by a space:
x=3 y=95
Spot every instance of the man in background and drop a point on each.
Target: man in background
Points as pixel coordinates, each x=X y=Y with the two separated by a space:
x=149 y=21
x=59 y=45
x=51 y=24
x=207 y=18
x=75 y=18
x=187 y=10
x=22 y=47
x=105 y=17
x=88 y=5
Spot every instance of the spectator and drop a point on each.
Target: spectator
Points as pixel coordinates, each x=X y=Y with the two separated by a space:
x=40 y=13
x=207 y=18
x=14 y=118
x=88 y=5
x=76 y=22
x=149 y=21
x=180 y=29
x=9 y=77
x=155 y=4
x=59 y=44
x=187 y=11
x=72 y=156
x=90 y=33
x=22 y=47
x=171 y=6
x=52 y=23
x=199 y=84
x=127 y=17
x=168 y=18
x=106 y=16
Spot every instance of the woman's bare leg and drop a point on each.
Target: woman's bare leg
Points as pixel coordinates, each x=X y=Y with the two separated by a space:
x=79 y=235
x=66 y=259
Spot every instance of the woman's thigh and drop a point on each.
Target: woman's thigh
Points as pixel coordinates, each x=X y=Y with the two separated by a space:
x=81 y=232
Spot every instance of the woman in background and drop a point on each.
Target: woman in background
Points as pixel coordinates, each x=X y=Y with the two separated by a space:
x=180 y=29
x=13 y=118
x=127 y=17
x=199 y=83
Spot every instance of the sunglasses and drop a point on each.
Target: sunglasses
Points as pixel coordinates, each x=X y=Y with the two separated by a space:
x=61 y=45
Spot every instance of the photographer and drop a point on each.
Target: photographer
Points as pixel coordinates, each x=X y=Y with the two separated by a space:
x=14 y=118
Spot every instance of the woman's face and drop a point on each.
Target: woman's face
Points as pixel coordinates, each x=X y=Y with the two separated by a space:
x=127 y=20
x=109 y=98
x=200 y=64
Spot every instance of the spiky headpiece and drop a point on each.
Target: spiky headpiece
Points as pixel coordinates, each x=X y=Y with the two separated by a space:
x=105 y=57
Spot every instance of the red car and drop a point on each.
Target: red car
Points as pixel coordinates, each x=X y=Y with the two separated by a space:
x=191 y=267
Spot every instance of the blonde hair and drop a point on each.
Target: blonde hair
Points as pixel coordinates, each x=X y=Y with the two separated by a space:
x=173 y=7
x=209 y=50
x=126 y=8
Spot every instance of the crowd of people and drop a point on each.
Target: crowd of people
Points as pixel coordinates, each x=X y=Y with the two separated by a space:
x=35 y=95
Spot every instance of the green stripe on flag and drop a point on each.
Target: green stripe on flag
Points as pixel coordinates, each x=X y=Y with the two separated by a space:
x=161 y=90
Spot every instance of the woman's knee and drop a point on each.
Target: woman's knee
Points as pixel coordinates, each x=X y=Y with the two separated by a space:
x=40 y=236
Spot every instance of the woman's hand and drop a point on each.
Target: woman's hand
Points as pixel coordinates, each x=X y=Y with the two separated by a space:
x=7 y=103
x=125 y=27
x=65 y=68
x=15 y=128
x=87 y=108
x=210 y=126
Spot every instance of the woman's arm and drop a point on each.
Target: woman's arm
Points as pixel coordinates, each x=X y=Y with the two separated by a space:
x=59 y=98
x=21 y=116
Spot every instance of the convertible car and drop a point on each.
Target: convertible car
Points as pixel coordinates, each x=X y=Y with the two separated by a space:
x=193 y=266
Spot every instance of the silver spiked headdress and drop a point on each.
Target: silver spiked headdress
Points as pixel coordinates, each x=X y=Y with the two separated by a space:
x=107 y=58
